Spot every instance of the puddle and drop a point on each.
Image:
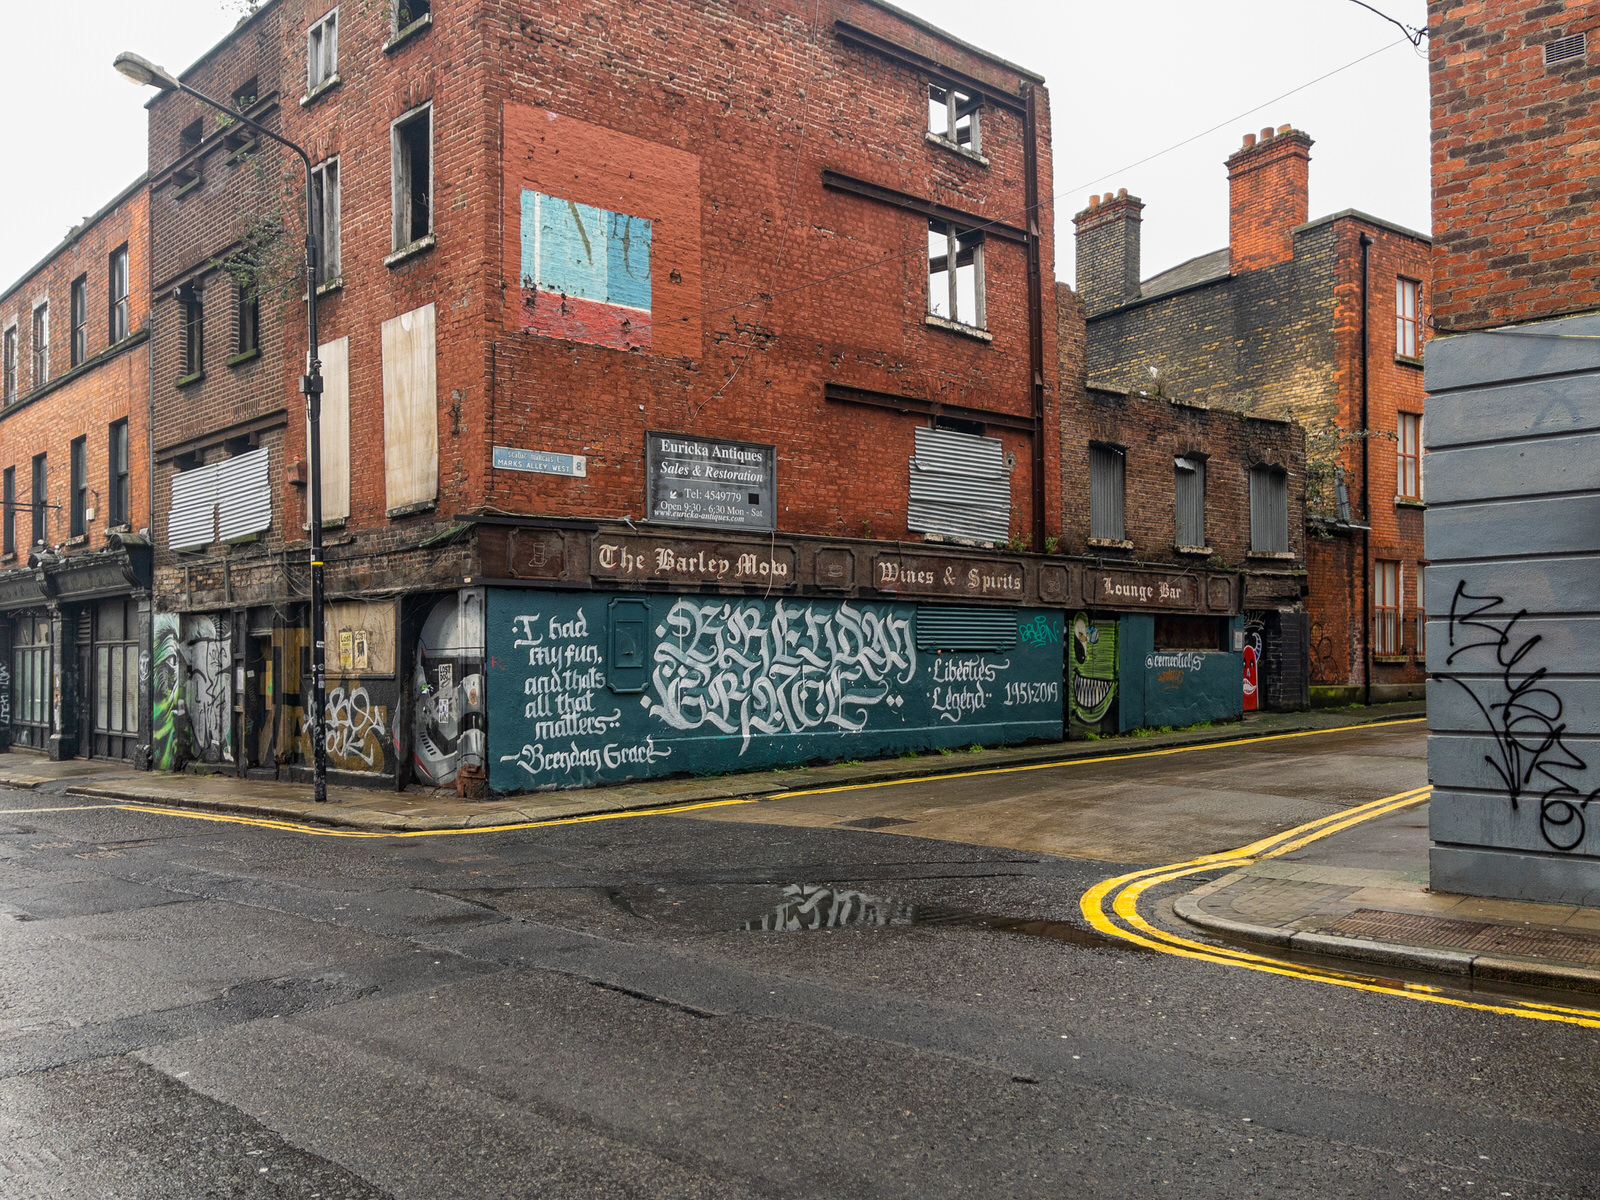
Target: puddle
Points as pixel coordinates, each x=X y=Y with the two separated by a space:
x=808 y=907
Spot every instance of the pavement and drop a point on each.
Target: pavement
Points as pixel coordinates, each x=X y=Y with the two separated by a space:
x=1360 y=895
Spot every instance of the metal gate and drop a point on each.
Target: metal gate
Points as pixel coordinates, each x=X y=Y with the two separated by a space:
x=31 y=689
x=114 y=690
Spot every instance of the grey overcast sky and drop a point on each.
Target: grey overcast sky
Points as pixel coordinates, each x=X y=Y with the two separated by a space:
x=1127 y=79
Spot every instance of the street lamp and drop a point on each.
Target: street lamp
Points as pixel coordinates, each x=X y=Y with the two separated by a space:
x=144 y=72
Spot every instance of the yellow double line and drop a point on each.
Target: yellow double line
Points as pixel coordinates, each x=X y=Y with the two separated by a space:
x=1112 y=908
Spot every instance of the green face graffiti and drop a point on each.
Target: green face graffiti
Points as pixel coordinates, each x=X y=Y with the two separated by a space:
x=1094 y=668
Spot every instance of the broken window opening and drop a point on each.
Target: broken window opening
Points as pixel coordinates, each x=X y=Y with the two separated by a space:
x=413 y=177
x=193 y=331
x=322 y=52
x=408 y=12
x=953 y=116
x=325 y=205
x=956 y=295
x=247 y=325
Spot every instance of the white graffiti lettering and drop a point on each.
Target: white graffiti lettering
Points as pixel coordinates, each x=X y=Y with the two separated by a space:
x=536 y=760
x=733 y=667
x=352 y=729
x=1186 y=660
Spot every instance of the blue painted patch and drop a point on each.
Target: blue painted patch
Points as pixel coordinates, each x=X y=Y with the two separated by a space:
x=584 y=252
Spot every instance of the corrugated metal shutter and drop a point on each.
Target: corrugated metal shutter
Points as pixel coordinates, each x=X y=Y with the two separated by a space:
x=1269 y=511
x=1189 y=490
x=192 y=520
x=1106 y=467
x=960 y=486
x=246 y=495
x=942 y=628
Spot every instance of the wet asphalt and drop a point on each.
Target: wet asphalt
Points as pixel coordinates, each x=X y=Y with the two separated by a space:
x=194 y=1009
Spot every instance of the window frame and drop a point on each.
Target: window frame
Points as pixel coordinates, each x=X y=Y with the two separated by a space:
x=325 y=52
x=1408 y=456
x=1407 y=324
x=329 y=266
x=78 y=460
x=963 y=239
x=397 y=28
x=78 y=318
x=10 y=361
x=1114 y=459
x=192 y=311
x=1275 y=484
x=1191 y=467
x=118 y=474
x=246 y=319
x=40 y=358
x=402 y=178
x=952 y=105
x=8 y=497
x=117 y=315
x=1388 y=584
x=38 y=500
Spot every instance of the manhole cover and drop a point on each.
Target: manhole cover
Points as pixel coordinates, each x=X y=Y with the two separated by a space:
x=1482 y=937
x=874 y=822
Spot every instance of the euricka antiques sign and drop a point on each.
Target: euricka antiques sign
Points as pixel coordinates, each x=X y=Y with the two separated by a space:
x=925 y=575
x=1127 y=589
x=690 y=561
x=708 y=481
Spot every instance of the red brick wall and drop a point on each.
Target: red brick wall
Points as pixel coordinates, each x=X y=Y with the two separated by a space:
x=112 y=384
x=1516 y=162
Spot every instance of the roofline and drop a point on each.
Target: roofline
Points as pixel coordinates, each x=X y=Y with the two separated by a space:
x=929 y=27
x=1357 y=215
x=244 y=23
x=76 y=233
x=1141 y=301
x=1129 y=394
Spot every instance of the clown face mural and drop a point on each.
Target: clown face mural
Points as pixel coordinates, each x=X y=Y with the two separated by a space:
x=449 y=721
x=1252 y=670
x=1094 y=668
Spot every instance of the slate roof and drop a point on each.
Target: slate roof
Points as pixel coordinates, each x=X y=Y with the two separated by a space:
x=1202 y=269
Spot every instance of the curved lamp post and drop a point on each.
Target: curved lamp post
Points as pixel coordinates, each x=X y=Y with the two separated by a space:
x=144 y=72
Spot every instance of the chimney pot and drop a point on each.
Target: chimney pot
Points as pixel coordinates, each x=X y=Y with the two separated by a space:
x=1285 y=128
x=1094 y=200
x=1266 y=134
x=1249 y=140
x=1121 y=192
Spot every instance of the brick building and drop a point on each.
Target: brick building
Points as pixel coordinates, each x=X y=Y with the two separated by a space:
x=690 y=398
x=74 y=493
x=1513 y=526
x=1180 y=621
x=1321 y=321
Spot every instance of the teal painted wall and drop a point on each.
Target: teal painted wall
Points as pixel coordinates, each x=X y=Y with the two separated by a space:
x=1175 y=687
x=588 y=688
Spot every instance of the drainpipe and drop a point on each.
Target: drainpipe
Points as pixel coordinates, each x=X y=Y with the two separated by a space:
x=1366 y=504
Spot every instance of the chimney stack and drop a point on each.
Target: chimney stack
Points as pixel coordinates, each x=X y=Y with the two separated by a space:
x=1108 y=251
x=1268 y=195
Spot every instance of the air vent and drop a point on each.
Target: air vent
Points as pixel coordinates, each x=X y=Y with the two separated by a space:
x=1564 y=50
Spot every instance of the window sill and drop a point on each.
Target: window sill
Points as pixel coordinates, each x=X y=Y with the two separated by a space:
x=1392 y=659
x=189 y=380
x=945 y=143
x=1110 y=543
x=1405 y=360
x=1409 y=502
x=971 y=331
x=81 y=540
x=336 y=284
x=241 y=152
x=405 y=253
x=410 y=31
x=321 y=90
x=238 y=360
x=9 y=556
x=1207 y=551
x=409 y=510
x=184 y=188
x=1274 y=555
x=242 y=541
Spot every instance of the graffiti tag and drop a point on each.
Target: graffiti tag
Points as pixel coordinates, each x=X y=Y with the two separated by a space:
x=1531 y=756
x=353 y=729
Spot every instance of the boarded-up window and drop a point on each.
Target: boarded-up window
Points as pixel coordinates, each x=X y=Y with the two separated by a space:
x=244 y=499
x=1269 y=511
x=1106 y=473
x=192 y=520
x=1189 y=500
x=225 y=500
x=941 y=628
x=960 y=486
x=410 y=410
x=334 y=426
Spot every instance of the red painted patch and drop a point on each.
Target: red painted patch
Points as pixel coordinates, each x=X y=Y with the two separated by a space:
x=584 y=320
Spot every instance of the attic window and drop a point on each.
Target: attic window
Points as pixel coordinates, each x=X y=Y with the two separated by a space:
x=1565 y=49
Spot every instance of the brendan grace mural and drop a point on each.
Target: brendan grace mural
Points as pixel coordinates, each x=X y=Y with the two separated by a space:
x=706 y=684
x=1094 y=668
